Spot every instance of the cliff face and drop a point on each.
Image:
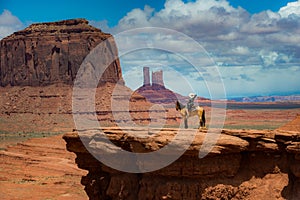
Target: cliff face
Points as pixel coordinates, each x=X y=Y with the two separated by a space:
x=48 y=53
x=244 y=164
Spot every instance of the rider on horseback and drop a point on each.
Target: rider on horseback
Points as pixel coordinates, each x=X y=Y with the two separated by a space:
x=190 y=104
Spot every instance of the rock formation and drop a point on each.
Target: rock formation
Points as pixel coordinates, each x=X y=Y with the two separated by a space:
x=156 y=92
x=157 y=79
x=146 y=76
x=47 y=53
x=244 y=164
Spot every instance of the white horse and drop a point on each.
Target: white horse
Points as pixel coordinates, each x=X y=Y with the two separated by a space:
x=199 y=111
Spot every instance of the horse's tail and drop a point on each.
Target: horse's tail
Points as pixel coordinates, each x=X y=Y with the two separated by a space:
x=177 y=105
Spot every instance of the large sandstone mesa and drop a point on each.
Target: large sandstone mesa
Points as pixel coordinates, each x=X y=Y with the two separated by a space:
x=244 y=164
x=48 y=53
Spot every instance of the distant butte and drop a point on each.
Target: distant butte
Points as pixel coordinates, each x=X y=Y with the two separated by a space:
x=157 y=92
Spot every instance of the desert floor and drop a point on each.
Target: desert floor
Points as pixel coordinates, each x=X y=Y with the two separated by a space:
x=35 y=164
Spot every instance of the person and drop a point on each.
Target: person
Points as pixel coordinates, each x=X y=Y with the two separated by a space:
x=190 y=103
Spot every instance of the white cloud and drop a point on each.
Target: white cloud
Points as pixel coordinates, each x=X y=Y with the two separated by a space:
x=217 y=26
x=289 y=9
x=269 y=58
x=9 y=24
x=199 y=18
x=241 y=50
x=287 y=38
x=229 y=36
x=6 y=18
x=272 y=58
x=136 y=18
x=264 y=22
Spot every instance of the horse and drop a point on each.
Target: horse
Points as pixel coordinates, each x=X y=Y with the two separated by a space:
x=199 y=111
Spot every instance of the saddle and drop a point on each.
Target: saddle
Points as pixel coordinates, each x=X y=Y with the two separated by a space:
x=192 y=108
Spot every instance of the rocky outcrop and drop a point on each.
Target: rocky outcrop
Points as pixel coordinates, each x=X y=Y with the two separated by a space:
x=146 y=74
x=157 y=79
x=48 y=53
x=244 y=164
x=156 y=92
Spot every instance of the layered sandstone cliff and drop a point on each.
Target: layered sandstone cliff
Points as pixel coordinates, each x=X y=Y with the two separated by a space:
x=244 y=164
x=47 y=53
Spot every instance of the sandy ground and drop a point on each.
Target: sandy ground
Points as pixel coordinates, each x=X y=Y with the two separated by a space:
x=40 y=168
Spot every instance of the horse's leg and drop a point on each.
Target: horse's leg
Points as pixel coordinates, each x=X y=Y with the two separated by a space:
x=185 y=122
x=203 y=119
x=200 y=119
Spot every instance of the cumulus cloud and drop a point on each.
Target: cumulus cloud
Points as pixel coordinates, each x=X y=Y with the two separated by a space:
x=269 y=58
x=221 y=28
x=199 y=18
x=264 y=22
x=292 y=8
x=272 y=58
x=241 y=50
x=136 y=18
x=9 y=23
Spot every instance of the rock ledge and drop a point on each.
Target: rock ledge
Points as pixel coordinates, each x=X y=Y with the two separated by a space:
x=272 y=157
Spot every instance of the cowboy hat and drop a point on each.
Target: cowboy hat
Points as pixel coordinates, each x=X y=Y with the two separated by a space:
x=192 y=95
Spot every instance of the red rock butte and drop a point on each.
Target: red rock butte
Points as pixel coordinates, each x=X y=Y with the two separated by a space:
x=48 y=53
x=156 y=92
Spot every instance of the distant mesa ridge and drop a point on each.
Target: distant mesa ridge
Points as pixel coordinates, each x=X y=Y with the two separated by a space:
x=49 y=53
x=288 y=98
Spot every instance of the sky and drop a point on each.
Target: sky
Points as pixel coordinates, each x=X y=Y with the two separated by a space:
x=244 y=47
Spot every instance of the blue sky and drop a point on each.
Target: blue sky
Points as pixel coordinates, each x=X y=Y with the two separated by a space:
x=254 y=43
x=112 y=10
